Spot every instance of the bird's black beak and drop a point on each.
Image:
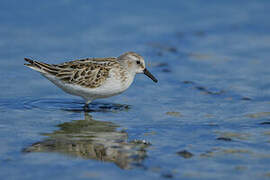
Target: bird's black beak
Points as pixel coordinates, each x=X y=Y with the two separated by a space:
x=147 y=73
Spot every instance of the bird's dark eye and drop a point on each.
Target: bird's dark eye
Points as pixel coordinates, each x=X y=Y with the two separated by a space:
x=138 y=62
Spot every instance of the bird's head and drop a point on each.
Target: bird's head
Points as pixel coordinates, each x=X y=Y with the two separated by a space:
x=135 y=62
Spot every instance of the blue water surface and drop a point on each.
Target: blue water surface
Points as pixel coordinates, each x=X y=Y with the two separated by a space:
x=206 y=118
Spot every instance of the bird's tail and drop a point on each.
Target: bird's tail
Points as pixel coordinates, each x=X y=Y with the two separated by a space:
x=41 y=67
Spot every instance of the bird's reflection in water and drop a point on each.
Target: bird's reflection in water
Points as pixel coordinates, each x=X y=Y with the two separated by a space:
x=91 y=139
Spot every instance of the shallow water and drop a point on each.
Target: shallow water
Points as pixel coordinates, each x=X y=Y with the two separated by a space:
x=207 y=117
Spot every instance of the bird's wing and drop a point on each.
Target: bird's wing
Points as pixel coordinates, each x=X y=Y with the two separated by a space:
x=90 y=73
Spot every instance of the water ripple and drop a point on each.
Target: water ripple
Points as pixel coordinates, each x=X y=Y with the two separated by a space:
x=50 y=104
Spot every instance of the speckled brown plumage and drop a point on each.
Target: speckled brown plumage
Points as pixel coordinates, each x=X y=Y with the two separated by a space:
x=90 y=72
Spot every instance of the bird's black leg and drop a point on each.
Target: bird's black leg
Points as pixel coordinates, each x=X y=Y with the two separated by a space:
x=86 y=107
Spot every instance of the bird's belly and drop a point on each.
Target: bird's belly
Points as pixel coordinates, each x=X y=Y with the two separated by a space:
x=111 y=87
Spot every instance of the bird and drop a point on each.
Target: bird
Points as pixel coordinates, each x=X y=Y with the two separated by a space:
x=93 y=78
